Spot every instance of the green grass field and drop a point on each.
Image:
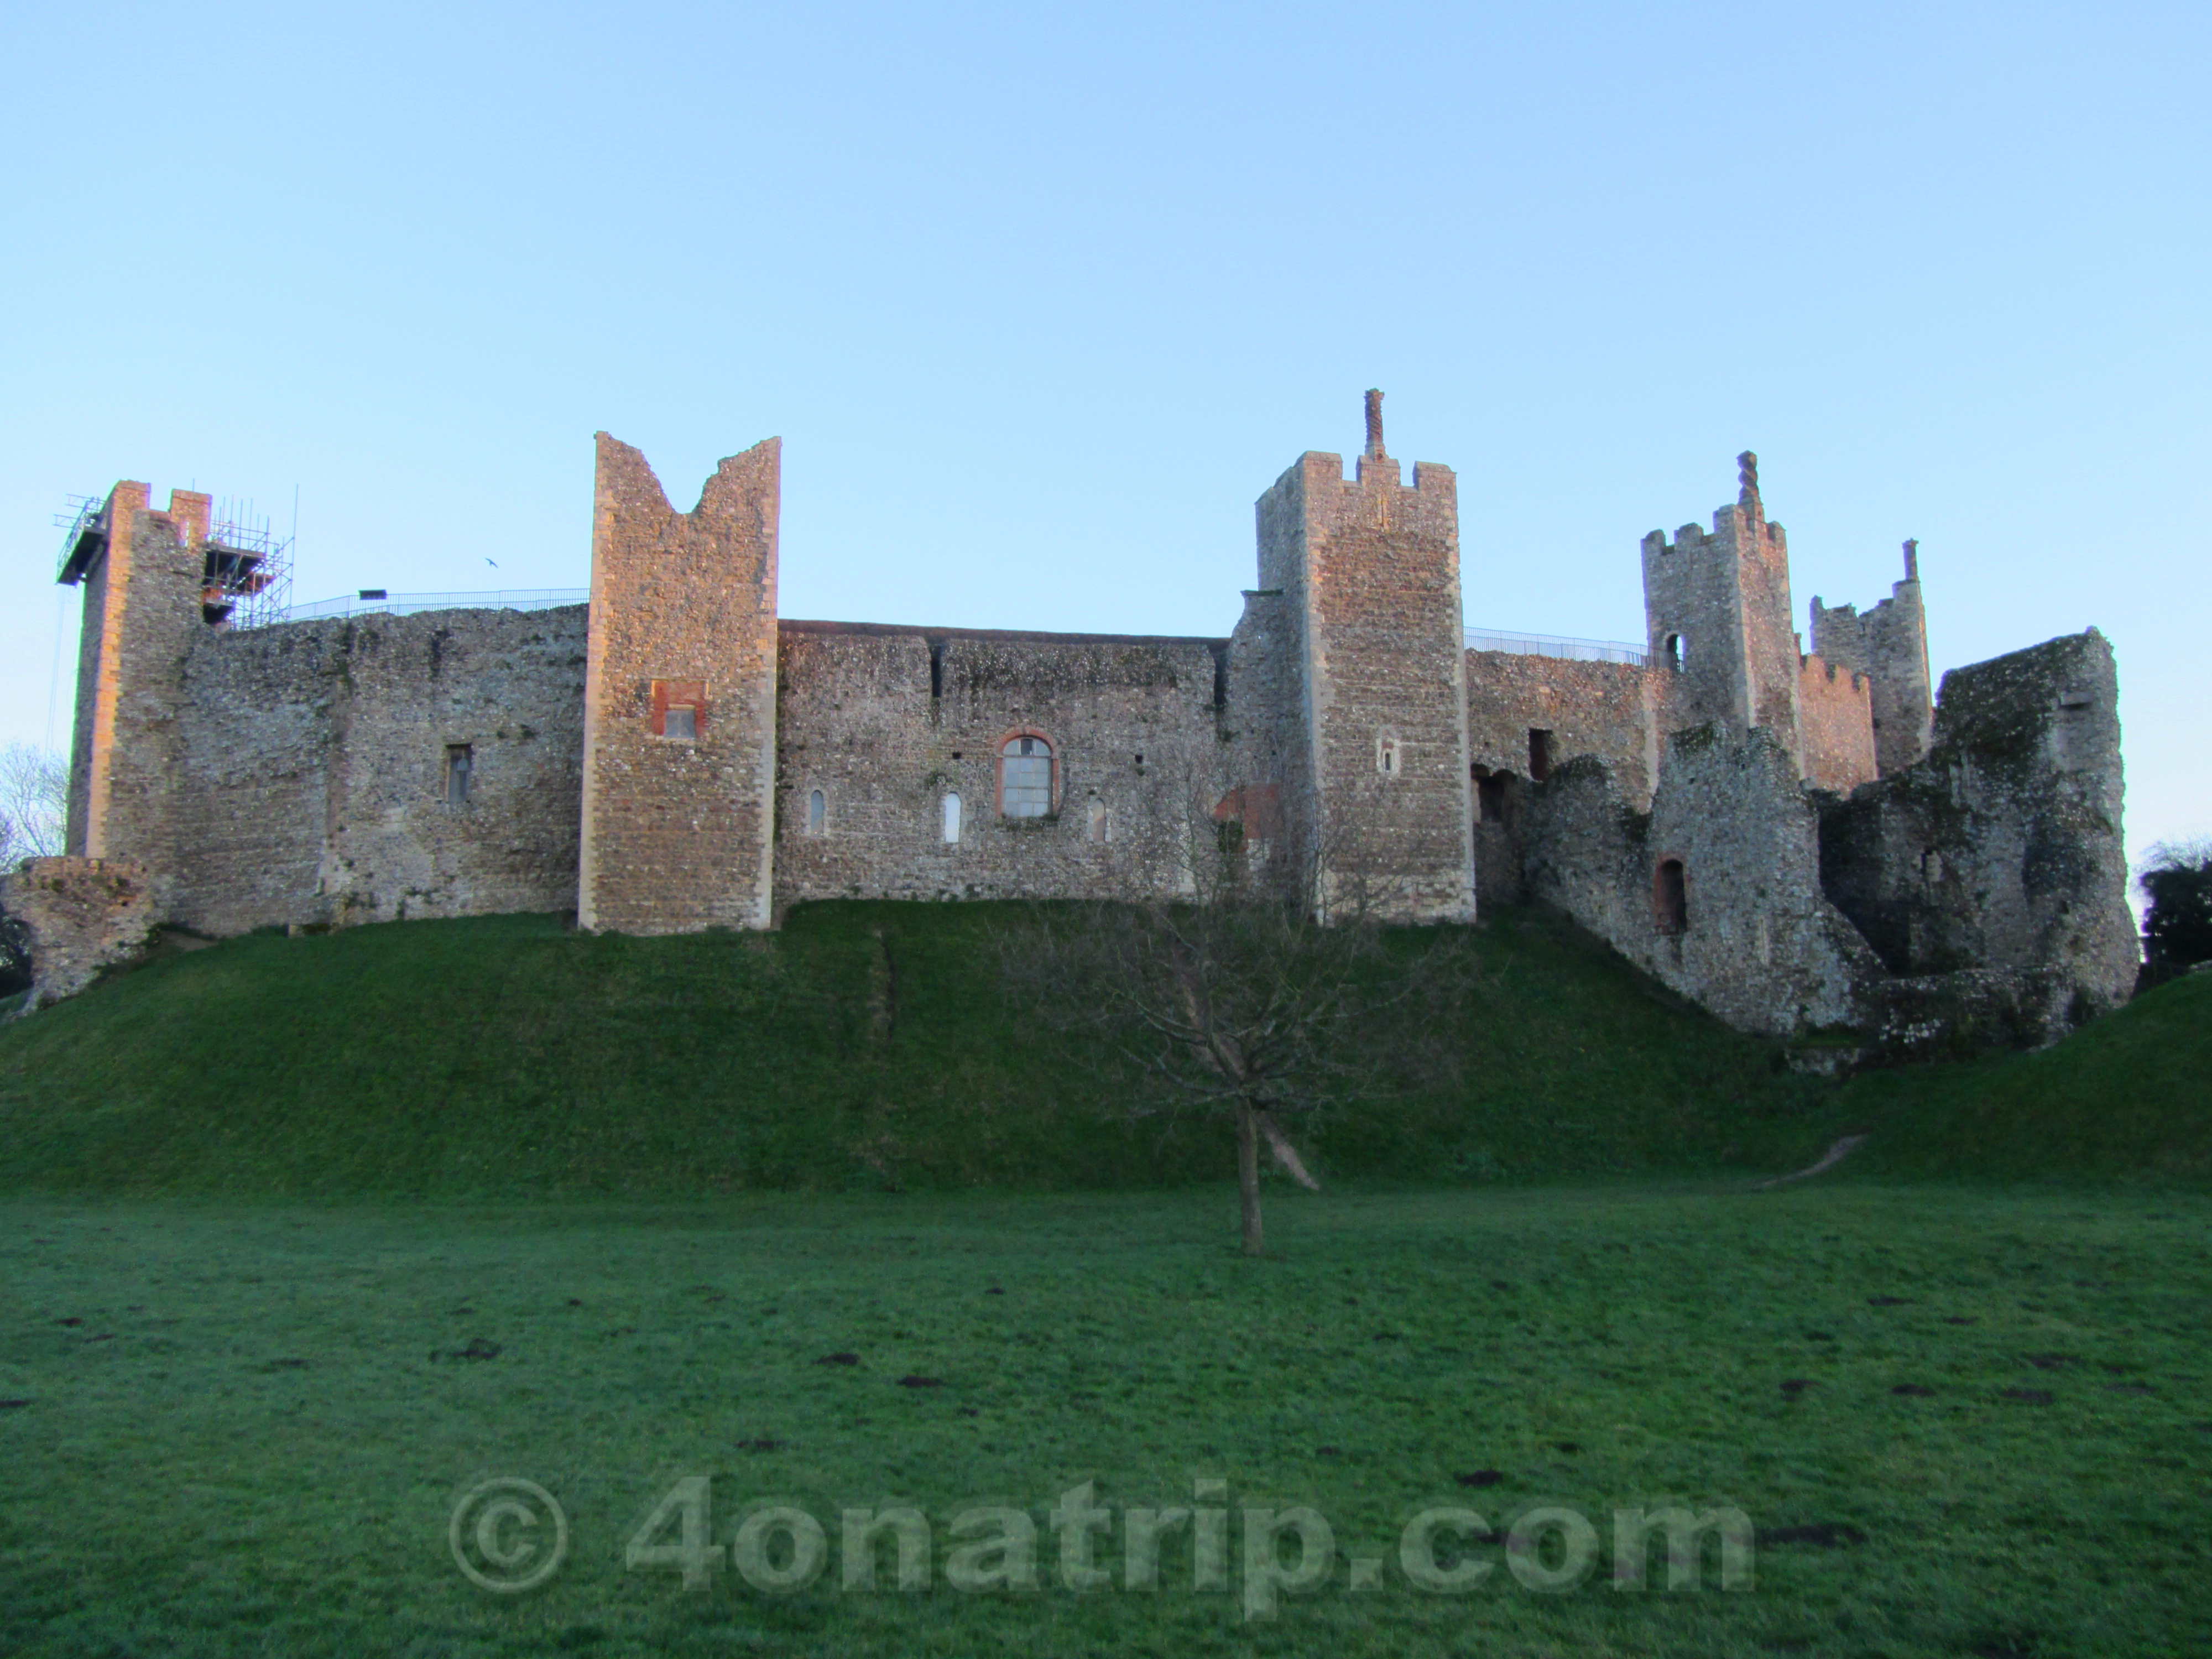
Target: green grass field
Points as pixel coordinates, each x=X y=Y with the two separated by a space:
x=242 y=1429
x=302 y=1240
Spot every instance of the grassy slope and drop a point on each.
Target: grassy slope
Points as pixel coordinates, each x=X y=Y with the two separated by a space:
x=2130 y=1095
x=508 y=1054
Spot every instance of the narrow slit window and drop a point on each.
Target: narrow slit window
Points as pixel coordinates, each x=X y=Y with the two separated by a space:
x=460 y=766
x=817 y=811
x=1097 y=825
x=1670 y=896
x=951 y=819
x=1677 y=652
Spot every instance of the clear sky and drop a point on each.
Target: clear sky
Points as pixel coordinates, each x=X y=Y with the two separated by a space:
x=1041 y=297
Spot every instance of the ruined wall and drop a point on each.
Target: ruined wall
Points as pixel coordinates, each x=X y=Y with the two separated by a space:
x=1606 y=709
x=1528 y=713
x=677 y=826
x=1835 y=726
x=885 y=722
x=1371 y=570
x=1718 y=605
x=141 y=612
x=1756 y=939
x=1889 y=644
x=82 y=916
x=2002 y=850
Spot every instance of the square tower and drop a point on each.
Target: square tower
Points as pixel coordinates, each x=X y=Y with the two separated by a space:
x=144 y=573
x=680 y=698
x=1717 y=611
x=1377 y=791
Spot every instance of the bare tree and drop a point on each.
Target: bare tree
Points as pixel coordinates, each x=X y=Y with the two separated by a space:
x=34 y=804
x=1223 y=986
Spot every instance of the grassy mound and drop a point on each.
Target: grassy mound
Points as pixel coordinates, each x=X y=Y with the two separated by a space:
x=2130 y=1096
x=864 y=1045
x=873 y=1045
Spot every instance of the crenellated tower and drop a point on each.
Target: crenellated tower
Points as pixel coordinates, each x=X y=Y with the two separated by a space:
x=680 y=698
x=144 y=574
x=1889 y=645
x=1376 y=792
x=1718 y=612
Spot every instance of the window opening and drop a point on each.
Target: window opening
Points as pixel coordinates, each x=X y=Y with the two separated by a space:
x=1026 y=778
x=951 y=819
x=1540 y=754
x=460 y=763
x=1670 y=896
x=681 y=721
x=817 y=812
x=1098 y=824
x=1490 y=796
x=1677 y=651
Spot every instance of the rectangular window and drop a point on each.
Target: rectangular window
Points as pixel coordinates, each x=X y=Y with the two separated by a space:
x=1540 y=754
x=679 y=708
x=461 y=760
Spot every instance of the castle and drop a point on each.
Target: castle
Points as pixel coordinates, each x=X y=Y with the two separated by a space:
x=1801 y=840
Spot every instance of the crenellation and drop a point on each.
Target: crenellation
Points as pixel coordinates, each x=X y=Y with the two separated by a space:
x=1797 y=838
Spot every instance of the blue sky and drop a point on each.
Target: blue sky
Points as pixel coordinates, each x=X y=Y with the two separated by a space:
x=1041 y=298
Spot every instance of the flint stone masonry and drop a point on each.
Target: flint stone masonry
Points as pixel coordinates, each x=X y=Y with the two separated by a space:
x=887 y=722
x=1760 y=943
x=1371 y=571
x=311 y=781
x=1797 y=840
x=82 y=916
x=677 y=831
x=2002 y=850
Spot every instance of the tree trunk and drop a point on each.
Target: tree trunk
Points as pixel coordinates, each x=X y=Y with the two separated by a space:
x=1247 y=1177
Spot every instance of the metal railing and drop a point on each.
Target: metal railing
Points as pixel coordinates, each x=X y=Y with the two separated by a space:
x=1547 y=645
x=79 y=514
x=406 y=605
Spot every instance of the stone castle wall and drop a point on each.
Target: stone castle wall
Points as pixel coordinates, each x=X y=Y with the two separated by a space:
x=886 y=723
x=2002 y=850
x=1755 y=939
x=677 y=824
x=1835 y=726
x=312 y=775
x=1371 y=570
x=673 y=757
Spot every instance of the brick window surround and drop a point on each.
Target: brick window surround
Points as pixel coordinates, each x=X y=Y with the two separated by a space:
x=679 y=695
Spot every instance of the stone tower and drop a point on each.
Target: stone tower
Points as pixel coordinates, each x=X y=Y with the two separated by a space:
x=680 y=698
x=1889 y=644
x=1376 y=788
x=1717 y=611
x=143 y=575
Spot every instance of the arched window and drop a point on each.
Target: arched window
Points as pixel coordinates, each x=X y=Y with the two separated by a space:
x=1678 y=652
x=1670 y=896
x=817 y=812
x=1026 y=778
x=951 y=819
x=1387 y=757
x=1097 y=827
